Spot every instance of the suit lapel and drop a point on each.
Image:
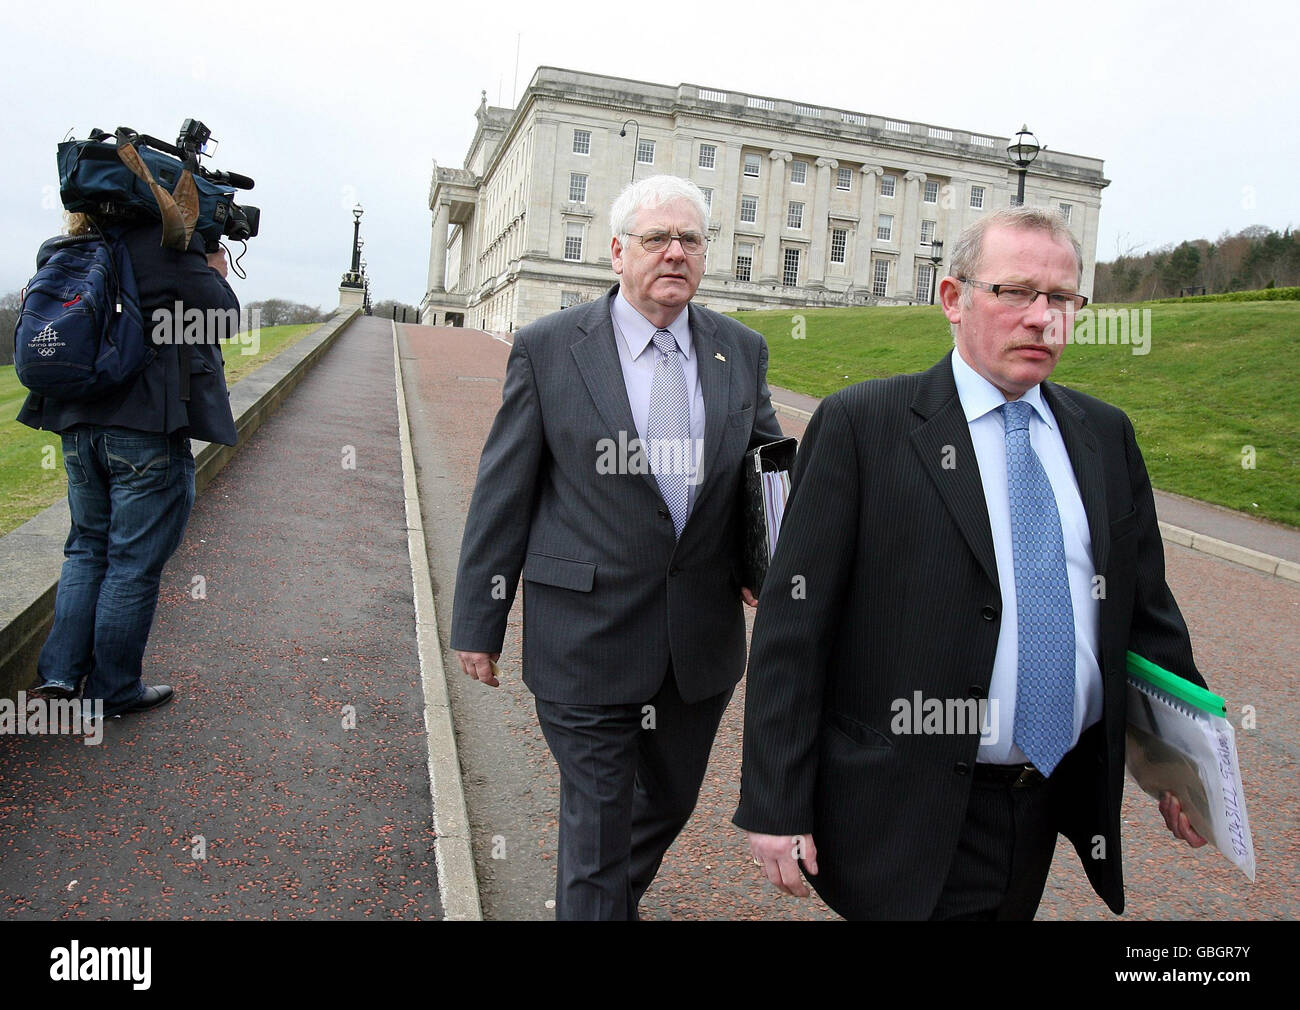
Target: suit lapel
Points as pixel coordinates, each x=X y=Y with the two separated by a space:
x=715 y=385
x=1081 y=446
x=596 y=356
x=947 y=454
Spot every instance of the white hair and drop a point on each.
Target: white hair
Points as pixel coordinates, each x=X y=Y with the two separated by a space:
x=655 y=191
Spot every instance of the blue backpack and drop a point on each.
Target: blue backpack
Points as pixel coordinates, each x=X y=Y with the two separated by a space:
x=80 y=332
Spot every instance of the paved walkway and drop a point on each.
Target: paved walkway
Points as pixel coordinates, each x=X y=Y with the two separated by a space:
x=306 y=623
x=1245 y=628
x=251 y=795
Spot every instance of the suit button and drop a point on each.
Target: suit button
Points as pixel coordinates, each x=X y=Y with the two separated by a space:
x=664 y=513
x=989 y=613
x=673 y=570
x=961 y=768
x=976 y=691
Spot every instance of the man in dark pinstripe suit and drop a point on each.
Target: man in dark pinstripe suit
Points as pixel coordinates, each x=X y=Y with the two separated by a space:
x=903 y=617
x=634 y=637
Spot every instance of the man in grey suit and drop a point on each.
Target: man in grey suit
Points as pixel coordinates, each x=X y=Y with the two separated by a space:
x=970 y=539
x=610 y=480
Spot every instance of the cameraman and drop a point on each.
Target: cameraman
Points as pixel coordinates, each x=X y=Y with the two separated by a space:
x=131 y=474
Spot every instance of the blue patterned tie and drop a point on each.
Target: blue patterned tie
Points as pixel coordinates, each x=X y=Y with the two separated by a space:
x=1044 y=615
x=668 y=429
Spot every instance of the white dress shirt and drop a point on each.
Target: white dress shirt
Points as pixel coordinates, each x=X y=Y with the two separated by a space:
x=634 y=336
x=980 y=401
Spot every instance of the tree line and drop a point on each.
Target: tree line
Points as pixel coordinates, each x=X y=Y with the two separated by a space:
x=1256 y=257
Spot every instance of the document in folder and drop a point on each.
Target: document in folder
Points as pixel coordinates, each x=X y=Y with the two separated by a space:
x=1180 y=740
x=765 y=485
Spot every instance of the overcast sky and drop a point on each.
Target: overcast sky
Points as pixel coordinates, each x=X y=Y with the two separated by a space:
x=1192 y=105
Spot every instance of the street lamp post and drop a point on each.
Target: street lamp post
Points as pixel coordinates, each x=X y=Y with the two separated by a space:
x=636 y=144
x=936 y=254
x=356 y=238
x=1023 y=150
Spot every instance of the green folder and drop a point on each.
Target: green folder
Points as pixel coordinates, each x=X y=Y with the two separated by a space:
x=1171 y=683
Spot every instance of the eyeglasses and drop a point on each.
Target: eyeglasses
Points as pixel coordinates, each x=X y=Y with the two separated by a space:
x=1018 y=296
x=692 y=242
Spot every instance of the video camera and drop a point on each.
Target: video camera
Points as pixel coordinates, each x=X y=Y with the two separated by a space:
x=93 y=179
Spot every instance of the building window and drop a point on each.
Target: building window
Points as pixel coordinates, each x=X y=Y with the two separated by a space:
x=794 y=219
x=708 y=155
x=885 y=227
x=977 y=198
x=708 y=199
x=573 y=242
x=839 y=242
x=568 y=299
x=790 y=275
x=751 y=166
x=581 y=141
x=1066 y=210
x=749 y=209
x=744 y=261
x=577 y=187
x=887 y=184
x=880 y=282
x=645 y=152
x=844 y=178
x=927 y=232
x=924 y=277
x=931 y=191
x=799 y=172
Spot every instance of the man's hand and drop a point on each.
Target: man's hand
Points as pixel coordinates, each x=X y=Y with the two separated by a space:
x=217 y=260
x=750 y=599
x=481 y=666
x=1177 y=822
x=779 y=855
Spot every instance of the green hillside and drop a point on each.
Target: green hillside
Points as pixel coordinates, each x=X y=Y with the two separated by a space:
x=1216 y=380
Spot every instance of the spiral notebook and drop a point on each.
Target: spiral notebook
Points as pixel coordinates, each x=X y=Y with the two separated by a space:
x=1179 y=739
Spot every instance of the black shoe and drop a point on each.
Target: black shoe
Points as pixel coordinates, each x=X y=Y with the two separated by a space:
x=152 y=698
x=52 y=692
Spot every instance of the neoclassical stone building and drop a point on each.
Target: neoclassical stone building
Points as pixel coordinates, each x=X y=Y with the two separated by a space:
x=810 y=205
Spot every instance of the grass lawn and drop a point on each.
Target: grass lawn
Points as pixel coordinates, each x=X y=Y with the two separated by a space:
x=31 y=462
x=1219 y=380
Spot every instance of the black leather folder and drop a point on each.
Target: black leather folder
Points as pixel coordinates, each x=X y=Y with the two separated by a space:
x=755 y=556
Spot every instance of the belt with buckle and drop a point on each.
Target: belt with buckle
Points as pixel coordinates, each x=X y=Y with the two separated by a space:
x=1012 y=776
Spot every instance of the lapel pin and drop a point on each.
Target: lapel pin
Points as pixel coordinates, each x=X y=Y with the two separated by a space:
x=719 y=356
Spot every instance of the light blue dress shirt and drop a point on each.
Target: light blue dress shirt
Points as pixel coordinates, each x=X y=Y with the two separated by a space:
x=634 y=336
x=980 y=401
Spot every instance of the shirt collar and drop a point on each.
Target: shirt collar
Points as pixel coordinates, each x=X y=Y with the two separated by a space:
x=637 y=331
x=979 y=396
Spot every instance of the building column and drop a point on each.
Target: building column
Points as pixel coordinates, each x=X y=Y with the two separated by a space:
x=722 y=258
x=438 y=247
x=821 y=210
x=909 y=236
x=774 y=218
x=866 y=227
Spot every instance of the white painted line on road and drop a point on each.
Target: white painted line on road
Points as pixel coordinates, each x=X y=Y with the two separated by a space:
x=453 y=848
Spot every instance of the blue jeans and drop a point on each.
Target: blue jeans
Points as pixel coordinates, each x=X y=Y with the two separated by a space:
x=130 y=494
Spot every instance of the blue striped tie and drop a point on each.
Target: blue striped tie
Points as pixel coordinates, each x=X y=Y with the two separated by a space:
x=1044 y=724
x=668 y=429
